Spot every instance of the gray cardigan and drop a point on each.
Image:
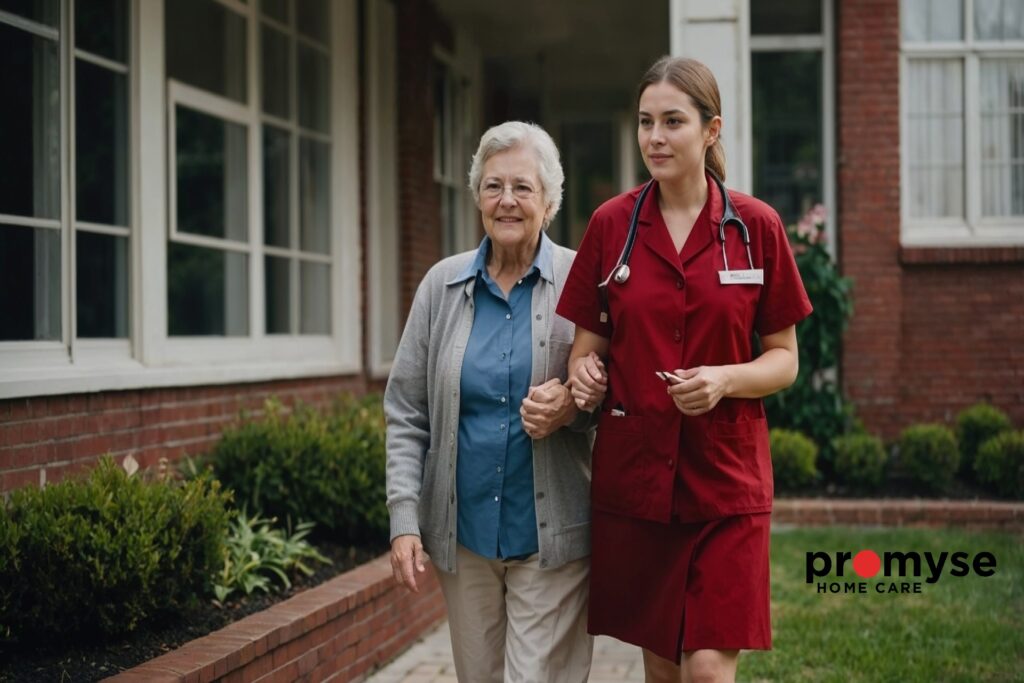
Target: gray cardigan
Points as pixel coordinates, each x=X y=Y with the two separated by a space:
x=421 y=404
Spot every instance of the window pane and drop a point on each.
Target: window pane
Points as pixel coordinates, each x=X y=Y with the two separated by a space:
x=316 y=298
x=783 y=17
x=206 y=46
x=933 y=20
x=101 y=144
x=314 y=197
x=275 y=72
x=1002 y=137
x=787 y=122
x=207 y=291
x=276 y=187
x=29 y=124
x=101 y=27
x=312 y=18
x=101 y=283
x=44 y=11
x=30 y=277
x=278 y=9
x=278 y=290
x=999 y=19
x=314 y=90
x=935 y=126
x=211 y=162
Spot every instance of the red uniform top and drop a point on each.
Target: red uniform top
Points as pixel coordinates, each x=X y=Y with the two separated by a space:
x=673 y=312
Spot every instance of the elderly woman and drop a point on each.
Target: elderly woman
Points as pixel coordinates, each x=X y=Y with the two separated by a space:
x=488 y=458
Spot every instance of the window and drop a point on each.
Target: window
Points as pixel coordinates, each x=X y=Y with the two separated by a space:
x=58 y=228
x=791 y=102
x=452 y=153
x=963 y=121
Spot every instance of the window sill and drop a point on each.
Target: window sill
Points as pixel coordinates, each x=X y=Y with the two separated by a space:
x=923 y=256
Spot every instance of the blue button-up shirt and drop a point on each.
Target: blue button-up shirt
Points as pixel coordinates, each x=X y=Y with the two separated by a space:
x=494 y=475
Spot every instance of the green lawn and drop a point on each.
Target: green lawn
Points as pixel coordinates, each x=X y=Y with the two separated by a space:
x=957 y=629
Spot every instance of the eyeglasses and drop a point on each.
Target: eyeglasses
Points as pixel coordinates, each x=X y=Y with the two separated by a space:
x=492 y=189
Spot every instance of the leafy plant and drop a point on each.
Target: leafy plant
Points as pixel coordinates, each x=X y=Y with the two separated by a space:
x=860 y=460
x=328 y=469
x=1000 y=463
x=100 y=555
x=975 y=426
x=793 y=459
x=257 y=553
x=929 y=454
x=814 y=404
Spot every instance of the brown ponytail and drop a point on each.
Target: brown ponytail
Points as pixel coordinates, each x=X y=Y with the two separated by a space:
x=696 y=80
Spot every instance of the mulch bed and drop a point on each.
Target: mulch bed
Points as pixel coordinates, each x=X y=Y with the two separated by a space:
x=93 y=662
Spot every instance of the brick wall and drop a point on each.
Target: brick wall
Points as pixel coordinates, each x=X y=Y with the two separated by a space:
x=934 y=330
x=43 y=439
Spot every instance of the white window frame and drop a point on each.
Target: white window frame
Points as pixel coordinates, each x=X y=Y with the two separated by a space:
x=823 y=42
x=47 y=368
x=973 y=230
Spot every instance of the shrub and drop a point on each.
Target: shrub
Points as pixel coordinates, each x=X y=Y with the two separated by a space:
x=860 y=460
x=975 y=426
x=258 y=553
x=793 y=459
x=929 y=454
x=1000 y=463
x=327 y=469
x=100 y=555
x=814 y=404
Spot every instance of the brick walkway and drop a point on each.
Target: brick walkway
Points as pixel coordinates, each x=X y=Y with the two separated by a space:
x=430 y=661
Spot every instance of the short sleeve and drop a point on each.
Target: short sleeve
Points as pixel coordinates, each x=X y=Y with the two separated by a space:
x=784 y=300
x=580 y=301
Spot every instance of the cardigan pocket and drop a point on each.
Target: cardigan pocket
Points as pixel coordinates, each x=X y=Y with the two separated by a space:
x=433 y=505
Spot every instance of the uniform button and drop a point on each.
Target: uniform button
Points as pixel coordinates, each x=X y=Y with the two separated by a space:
x=669 y=462
x=678 y=335
x=679 y=284
x=508 y=316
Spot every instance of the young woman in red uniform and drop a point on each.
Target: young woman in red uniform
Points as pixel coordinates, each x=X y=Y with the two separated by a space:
x=682 y=475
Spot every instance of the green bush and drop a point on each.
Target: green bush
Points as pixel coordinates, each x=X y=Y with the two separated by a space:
x=929 y=455
x=258 y=553
x=327 y=469
x=793 y=459
x=860 y=460
x=97 y=556
x=1000 y=463
x=814 y=404
x=975 y=426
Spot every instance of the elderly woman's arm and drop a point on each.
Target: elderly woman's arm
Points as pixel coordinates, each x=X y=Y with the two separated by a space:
x=408 y=438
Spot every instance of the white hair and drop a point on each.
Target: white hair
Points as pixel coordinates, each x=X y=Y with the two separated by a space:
x=511 y=134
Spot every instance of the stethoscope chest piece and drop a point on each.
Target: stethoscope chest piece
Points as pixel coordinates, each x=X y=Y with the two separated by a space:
x=621 y=274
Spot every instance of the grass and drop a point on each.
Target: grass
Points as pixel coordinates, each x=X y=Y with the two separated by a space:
x=957 y=629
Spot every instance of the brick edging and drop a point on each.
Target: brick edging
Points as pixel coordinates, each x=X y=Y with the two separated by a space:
x=916 y=512
x=339 y=630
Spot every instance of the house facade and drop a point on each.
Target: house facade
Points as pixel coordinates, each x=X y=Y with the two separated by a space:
x=211 y=202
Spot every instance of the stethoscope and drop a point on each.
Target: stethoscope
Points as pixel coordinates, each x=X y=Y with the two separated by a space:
x=620 y=273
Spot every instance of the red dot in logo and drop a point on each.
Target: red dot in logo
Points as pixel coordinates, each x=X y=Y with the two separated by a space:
x=866 y=563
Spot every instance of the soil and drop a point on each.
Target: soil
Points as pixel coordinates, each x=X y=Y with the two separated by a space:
x=71 y=663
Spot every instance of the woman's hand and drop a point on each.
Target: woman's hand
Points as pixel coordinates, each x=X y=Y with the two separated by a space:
x=588 y=380
x=700 y=389
x=547 y=408
x=406 y=553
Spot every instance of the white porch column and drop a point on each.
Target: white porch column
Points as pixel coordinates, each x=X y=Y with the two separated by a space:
x=717 y=32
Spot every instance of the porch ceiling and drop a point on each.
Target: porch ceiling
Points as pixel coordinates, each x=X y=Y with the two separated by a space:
x=572 y=55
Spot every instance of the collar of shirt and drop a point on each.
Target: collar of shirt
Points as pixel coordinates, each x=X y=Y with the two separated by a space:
x=541 y=261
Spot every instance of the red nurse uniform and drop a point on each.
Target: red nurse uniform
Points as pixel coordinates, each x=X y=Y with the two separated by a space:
x=681 y=504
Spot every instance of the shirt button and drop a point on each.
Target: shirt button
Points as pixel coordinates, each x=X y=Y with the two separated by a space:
x=495 y=499
x=499 y=468
x=678 y=335
x=508 y=316
x=502 y=399
x=502 y=427
x=503 y=355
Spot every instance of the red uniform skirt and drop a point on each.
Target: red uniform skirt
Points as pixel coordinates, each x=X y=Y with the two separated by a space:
x=679 y=587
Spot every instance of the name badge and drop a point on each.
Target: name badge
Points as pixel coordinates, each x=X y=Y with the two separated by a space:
x=753 y=276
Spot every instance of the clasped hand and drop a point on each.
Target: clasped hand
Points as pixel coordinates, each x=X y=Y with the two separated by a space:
x=546 y=408
x=588 y=381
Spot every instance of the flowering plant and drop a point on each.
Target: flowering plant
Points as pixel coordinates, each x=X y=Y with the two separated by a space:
x=814 y=404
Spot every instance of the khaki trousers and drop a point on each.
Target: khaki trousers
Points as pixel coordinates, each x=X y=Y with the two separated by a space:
x=512 y=622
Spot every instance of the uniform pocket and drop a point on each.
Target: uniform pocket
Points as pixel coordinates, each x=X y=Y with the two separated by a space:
x=739 y=450
x=620 y=468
